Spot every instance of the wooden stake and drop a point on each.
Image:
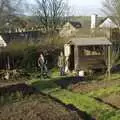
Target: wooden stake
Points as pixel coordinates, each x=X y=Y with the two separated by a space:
x=76 y=57
x=109 y=62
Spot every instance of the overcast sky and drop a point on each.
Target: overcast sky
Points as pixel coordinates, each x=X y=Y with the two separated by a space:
x=83 y=7
x=86 y=7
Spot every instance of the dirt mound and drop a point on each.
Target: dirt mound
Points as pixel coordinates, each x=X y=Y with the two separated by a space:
x=23 y=88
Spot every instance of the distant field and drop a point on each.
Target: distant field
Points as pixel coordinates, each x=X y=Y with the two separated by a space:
x=85 y=20
x=85 y=31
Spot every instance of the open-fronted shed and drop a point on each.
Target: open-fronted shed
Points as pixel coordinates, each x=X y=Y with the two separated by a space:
x=90 y=53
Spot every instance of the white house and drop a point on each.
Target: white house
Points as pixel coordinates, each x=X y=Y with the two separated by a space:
x=2 y=42
x=70 y=28
x=108 y=23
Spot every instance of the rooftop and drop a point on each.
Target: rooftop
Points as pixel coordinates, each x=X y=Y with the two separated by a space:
x=89 y=41
x=76 y=24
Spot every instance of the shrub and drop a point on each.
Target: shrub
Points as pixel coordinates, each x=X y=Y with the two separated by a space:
x=23 y=55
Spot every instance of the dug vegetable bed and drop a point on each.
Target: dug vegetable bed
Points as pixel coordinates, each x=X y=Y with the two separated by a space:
x=85 y=87
x=22 y=102
x=113 y=100
x=36 y=108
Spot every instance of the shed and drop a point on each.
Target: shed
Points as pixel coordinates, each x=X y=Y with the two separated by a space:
x=90 y=53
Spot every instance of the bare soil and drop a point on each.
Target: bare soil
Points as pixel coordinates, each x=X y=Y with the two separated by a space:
x=21 y=87
x=35 y=106
x=85 y=87
x=113 y=99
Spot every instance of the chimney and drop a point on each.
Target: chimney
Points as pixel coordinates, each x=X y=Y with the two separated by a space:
x=93 y=21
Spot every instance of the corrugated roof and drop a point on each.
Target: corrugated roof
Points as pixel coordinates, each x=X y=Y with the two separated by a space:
x=89 y=41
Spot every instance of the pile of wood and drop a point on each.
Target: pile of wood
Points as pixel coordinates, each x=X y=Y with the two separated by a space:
x=13 y=75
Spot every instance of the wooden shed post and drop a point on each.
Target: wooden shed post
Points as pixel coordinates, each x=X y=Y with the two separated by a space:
x=109 y=61
x=106 y=55
x=76 y=57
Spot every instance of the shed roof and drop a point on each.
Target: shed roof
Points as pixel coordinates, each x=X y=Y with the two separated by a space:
x=89 y=41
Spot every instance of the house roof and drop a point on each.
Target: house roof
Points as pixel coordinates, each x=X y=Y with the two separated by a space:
x=111 y=21
x=89 y=41
x=2 y=42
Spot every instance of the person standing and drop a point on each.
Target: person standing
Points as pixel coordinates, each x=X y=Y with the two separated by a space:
x=61 y=64
x=42 y=64
x=67 y=64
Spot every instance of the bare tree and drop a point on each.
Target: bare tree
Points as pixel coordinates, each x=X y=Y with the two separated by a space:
x=112 y=8
x=43 y=13
x=50 y=13
x=57 y=13
x=9 y=9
